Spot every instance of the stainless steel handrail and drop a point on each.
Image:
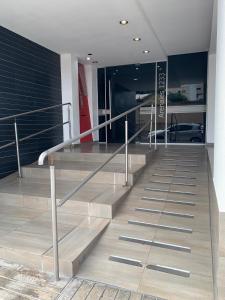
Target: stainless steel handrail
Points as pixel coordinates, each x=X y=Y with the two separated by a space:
x=83 y=182
x=33 y=135
x=82 y=135
x=33 y=111
x=88 y=178
x=17 y=140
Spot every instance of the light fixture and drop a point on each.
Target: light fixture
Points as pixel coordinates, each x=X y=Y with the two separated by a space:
x=137 y=68
x=136 y=39
x=123 y=22
x=135 y=79
x=88 y=58
x=146 y=51
x=89 y=54
x=95 y=62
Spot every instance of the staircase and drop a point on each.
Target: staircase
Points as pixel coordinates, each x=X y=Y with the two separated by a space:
x=26 y=233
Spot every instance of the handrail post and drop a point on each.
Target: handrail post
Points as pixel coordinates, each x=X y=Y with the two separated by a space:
x=54 y=224
x=17 y=150
x=69 y=121
x=126 y=152
x=150 y=132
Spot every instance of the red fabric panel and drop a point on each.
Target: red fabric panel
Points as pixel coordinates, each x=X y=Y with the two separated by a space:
x=85 y=119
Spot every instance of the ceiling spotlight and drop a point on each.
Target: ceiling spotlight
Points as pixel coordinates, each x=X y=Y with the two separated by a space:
x=135 y=79
x=136 y=39
x=146 y=51
x=88 y=58
x=137 y=68
x=123 y=22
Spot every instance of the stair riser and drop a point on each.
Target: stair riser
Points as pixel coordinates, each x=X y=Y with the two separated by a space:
x=77 y=175
x=101 y=157
x=68 y=268
x=72 y=207
x=104 y=210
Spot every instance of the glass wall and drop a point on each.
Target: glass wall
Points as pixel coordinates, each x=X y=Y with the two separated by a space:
x=181 y=98
x=187 y=85
x=126 y=86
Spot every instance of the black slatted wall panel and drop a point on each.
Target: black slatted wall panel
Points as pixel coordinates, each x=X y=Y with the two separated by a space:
x=29 y=79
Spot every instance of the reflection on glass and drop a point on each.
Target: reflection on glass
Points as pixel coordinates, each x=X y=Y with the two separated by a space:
x=187 y=79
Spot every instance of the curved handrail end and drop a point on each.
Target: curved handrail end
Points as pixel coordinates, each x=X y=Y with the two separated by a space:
x=42 y=157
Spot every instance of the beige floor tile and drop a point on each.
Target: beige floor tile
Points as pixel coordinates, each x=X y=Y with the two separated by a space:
x=174 y=287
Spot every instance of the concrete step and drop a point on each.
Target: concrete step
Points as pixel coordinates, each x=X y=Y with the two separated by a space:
x=76 y=171
x=28 y=239
x=133 y=159
x=75 y=246
x=93 y=199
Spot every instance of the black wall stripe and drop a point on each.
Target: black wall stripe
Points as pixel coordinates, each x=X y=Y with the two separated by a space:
x=29 y=79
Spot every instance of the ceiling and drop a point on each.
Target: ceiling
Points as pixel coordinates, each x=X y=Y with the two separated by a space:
x=166 y=27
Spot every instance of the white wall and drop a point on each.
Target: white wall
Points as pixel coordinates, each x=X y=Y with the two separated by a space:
x=211 y=82
x=70 y=92
x=210 y=114
x=92 y=89
x=219 y=133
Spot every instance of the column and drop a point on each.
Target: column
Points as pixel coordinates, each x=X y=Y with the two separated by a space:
x=210 y=114
x=219 y=133
x=70 y=92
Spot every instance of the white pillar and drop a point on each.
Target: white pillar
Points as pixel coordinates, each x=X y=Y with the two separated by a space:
x=92 y=89
x=210 y=114
x=219 y=134
x=70 y=92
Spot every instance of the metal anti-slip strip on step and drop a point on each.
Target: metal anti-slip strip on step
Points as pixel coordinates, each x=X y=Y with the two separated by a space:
x=125 y=260
x=159 y=226
x=168 y=191
x=186 y=171
x=173 y=176
x=175 y=170
x=166 y=269
x=168 y=201
x=164 y=212
x=173 y=183
x=181 y=165
x=160 y=268
x=181 y=160
x=176 y=156
x=155 y=243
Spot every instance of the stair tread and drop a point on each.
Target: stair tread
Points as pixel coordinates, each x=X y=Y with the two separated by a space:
x=111 y=196
x=41 y=188
x=76 y=242
x=87 y=166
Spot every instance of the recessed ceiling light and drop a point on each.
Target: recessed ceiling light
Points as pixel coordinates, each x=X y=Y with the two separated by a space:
x=136 y=39
x=123 y=22
x=135 y=79
x=137 y=68
x=146 y=51
x=88 y=58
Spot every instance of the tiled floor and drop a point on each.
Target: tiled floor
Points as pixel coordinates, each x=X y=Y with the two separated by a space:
x=192 y=216
x=169 y=256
